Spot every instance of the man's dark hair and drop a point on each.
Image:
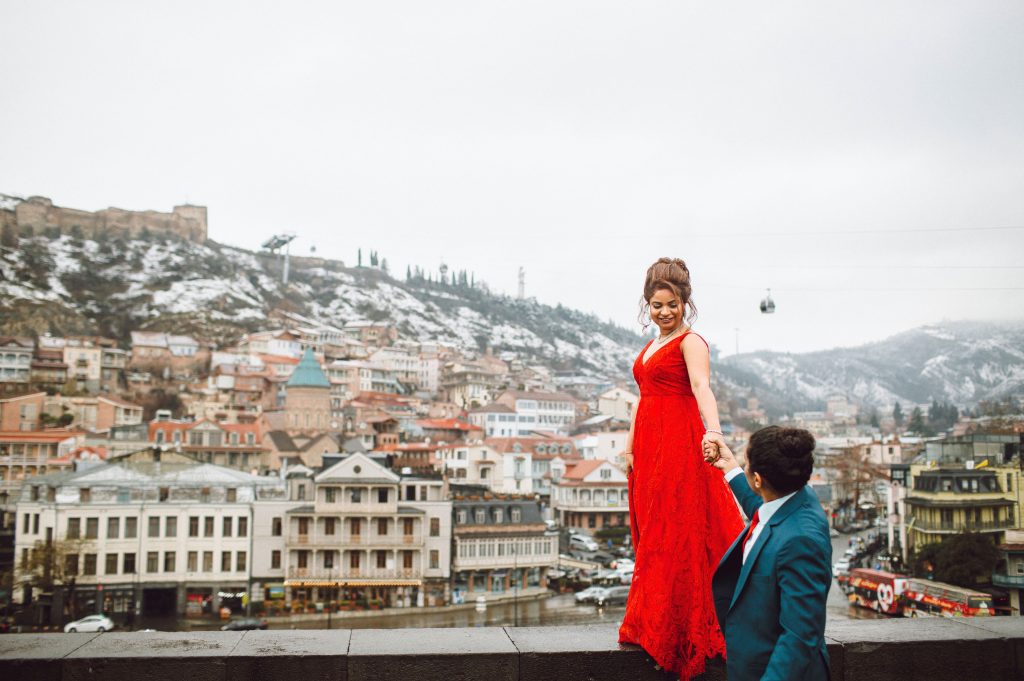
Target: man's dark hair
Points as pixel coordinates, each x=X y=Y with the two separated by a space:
x=783 y=456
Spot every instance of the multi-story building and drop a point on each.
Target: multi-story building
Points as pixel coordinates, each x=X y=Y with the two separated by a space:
x=97 y=414
x=113 y=363
x=16 y=359
x=307 y=403
x=469 y=384
x=371 y=333
x=234 y=445
x=952 y=499
x=21 y=412
x=618 y=403
x=475 y=463
x=369 y=535
x=497 y=420
x=540 y=453
x=48 y=369
x=502 y=545
x=280 y=342
x=27 y=454
x=152 y=530
x=541 y=412
x=1010 y=573
x=591 y=494
x=85 y=364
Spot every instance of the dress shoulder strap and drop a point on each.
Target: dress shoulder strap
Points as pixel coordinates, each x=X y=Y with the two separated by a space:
x=691 y=331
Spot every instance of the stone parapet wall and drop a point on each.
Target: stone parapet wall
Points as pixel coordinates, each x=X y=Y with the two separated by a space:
x=861 y=650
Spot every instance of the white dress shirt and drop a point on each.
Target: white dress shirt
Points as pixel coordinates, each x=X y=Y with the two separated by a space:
x=764 y=513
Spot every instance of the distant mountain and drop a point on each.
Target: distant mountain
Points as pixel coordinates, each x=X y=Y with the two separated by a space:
x=69 y=285
x=962 y=362
x=113 y=286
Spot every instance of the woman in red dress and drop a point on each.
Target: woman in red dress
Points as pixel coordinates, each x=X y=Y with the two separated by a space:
x=681 y=513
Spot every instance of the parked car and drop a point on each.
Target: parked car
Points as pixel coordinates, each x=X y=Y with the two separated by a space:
x=589 y=594
x=841 y=567
x=623 y=564
x=582 y=542
x=833 y=532
x=616 y=595
x=245 y=624
x=90 y=623
x=625 y=575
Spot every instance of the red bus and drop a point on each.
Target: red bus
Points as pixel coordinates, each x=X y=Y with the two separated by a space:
x=874 y=589
x=925 y=598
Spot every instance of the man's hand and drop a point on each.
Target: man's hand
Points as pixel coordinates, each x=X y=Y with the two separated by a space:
x=720 y=456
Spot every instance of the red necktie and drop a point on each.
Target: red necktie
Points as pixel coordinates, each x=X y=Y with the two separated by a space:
x=750 y=530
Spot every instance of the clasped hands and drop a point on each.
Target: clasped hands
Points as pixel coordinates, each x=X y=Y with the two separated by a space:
x=717 y=453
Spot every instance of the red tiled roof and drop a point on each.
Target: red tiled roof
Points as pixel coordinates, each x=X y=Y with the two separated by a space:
x=447 y=424
x=578 y=471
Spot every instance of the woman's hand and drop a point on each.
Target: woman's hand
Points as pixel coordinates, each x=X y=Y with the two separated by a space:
x=711 y=437
x=628 y=456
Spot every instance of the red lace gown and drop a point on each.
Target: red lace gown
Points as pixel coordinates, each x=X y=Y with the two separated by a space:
x=682 y=516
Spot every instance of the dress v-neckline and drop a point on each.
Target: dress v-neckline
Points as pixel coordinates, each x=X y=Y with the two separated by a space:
x=650 y=359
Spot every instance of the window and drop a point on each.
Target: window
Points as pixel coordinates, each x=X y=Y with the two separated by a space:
x=357 y=526
x=243 y=527
x=329 y=494
x=435 y=559
x=382 y=559
x=152 y=561
x=74 y=527
x=606 y=474
x=111 y=567
x=171 y=526
x=131 y=527
x=303 y=559
x=303 y=526
x=435 y=527
x=89 y=567
x=35 y=524
x=92 y=528
x=499 y=515
x=356 y=495
x=226 y=529
x=407 y=525
x=225 y=561
x=208 y=526
x=302 y=492
x=193 y=526
x=460 y=516
x=481 y=516
x=275 y=527
x=154 y=526
x=353 y=559
x=71 y=565
x=240 y=560
x=129 y=563
x=192 y=563
x=329 y=525
x=275 y=560
x=165 y=493
x=517 y=515
x=232 y=495
x=170 y=560
x=382 y=495
x=407 y=560
x=84 y=495
x=382 y=526
x=207 y=561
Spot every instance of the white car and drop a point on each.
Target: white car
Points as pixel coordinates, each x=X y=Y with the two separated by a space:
x=582 y=543
x=90 y=623
x=841 y=567
x=589 y=594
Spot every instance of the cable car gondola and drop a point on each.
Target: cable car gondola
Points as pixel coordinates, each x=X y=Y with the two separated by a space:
x=767 y=304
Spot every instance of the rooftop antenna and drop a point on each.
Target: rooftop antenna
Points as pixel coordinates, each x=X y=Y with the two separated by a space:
x=274 y=244
x=522 y=283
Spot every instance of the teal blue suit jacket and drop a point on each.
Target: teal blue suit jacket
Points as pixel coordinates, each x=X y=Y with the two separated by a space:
x=772 y=607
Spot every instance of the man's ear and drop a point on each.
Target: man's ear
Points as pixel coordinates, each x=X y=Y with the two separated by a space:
x=758 y=482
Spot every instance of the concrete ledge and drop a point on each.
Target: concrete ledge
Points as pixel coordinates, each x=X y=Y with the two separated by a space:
x=861 y=650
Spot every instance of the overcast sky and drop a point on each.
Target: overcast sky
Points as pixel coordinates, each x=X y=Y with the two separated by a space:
x=829 y=152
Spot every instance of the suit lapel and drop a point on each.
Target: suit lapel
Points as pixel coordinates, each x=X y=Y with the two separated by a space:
x=795 y=502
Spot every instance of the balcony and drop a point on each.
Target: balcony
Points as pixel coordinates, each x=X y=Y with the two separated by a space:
x=339 y=540
x=1008 y=581
x=957 y=526
x=350 y=573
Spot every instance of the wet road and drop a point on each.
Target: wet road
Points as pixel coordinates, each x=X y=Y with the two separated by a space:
x=838 y=606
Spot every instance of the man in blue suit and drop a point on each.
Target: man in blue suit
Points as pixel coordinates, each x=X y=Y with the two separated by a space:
x=771 y=586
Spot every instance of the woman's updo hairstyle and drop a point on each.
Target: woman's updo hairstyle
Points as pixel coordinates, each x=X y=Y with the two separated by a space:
x=669 y=274
x=783 y=456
